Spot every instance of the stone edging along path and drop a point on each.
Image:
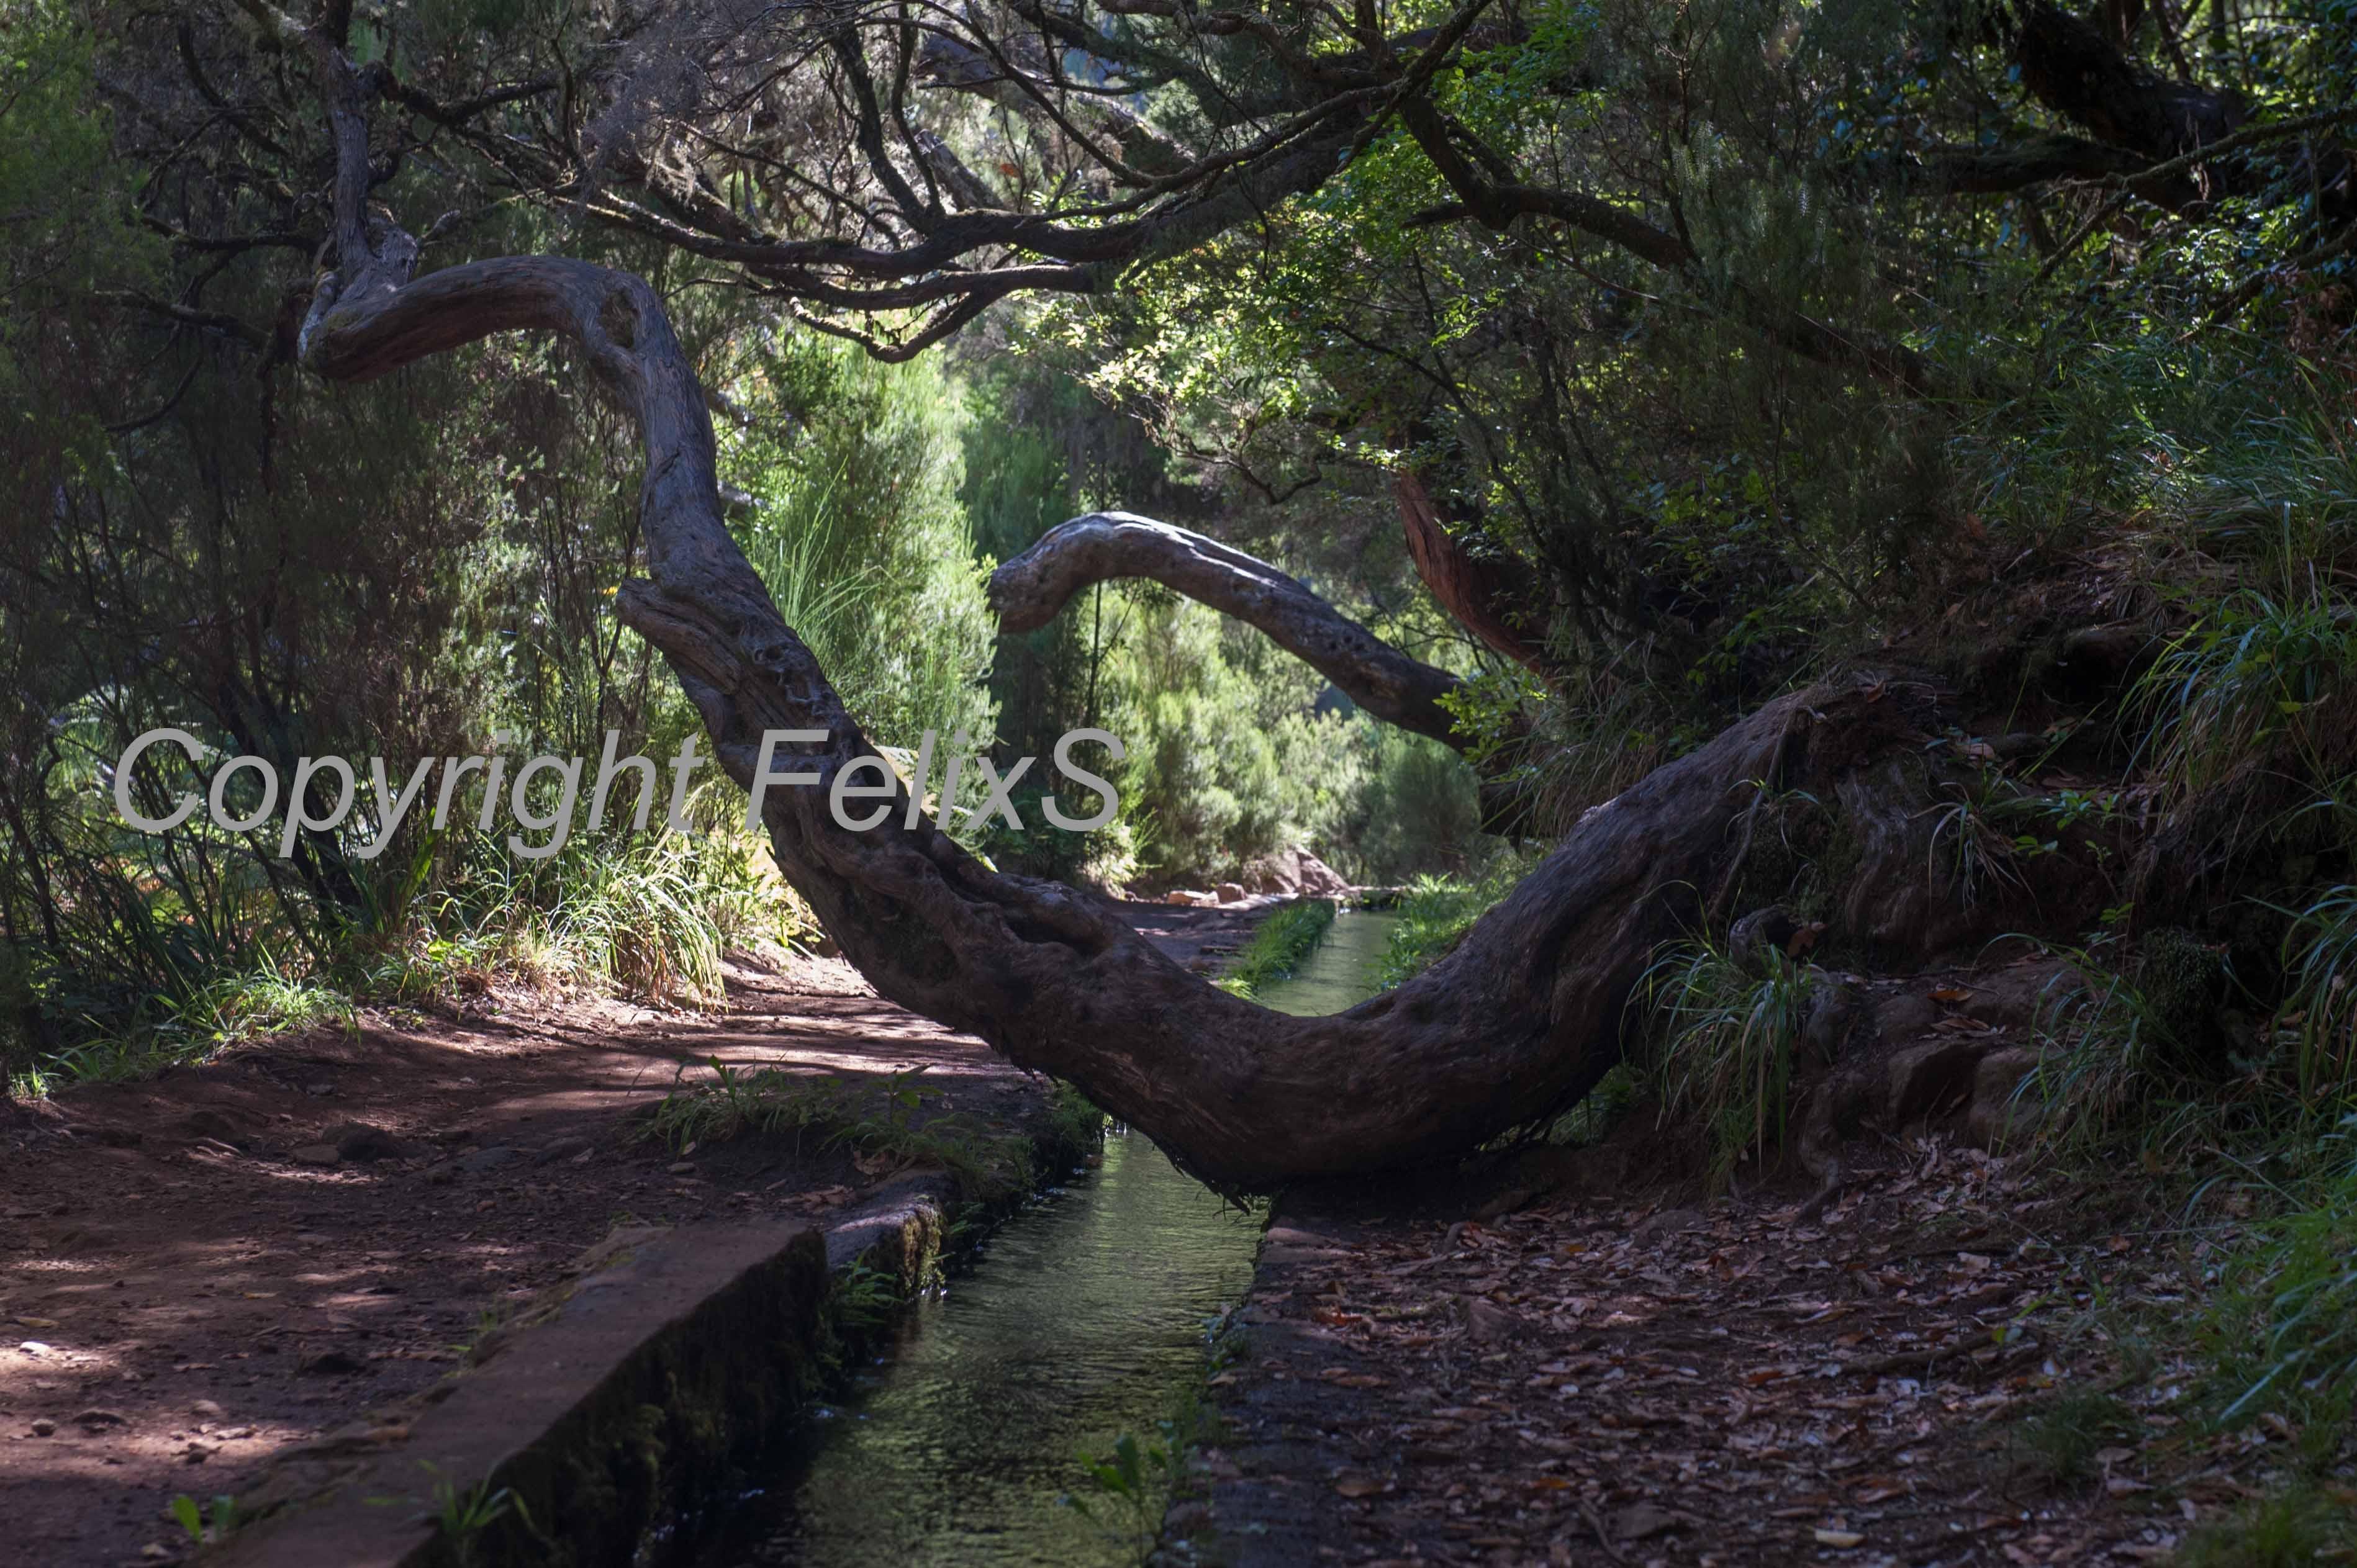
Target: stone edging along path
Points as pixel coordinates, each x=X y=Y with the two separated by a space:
x=617 y=1392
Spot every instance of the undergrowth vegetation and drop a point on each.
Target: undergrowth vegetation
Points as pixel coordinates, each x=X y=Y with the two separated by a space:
x=1286 y=937
x=1722 y=1040
x=2282 y=1331
x=648 y=920
x=1436 y=911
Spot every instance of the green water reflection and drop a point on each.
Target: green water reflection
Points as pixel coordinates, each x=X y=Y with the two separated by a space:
x=1081 y=1319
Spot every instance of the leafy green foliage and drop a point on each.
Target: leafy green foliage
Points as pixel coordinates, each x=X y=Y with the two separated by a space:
x=1230 y=759
x=1076 y=1121
x=1131 y=1484
x=855 y=471
x=2253 y=681
x=863 y=1298
x=205 y=1526
x=1435 y=913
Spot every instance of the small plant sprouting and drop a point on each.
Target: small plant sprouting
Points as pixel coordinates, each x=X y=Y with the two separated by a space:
x=487 y=1322
x=1134 y=1481
x=460 y=1513
x=200 y=1529
x=863 y=1297
x=463 y=1513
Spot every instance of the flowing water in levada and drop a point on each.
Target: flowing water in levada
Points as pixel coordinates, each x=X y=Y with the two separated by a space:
x=1081 y=1319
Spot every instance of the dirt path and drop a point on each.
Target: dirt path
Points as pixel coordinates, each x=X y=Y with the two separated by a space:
x=185 y=1289
x=1644 y=1382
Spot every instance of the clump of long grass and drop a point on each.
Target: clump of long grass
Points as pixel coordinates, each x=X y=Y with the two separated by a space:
x=1279 y=944
x=647 y=919
x=736 y=1103
x=2319 y=955
x=2282 y=1327
x=2255 y=682
x=1722 y=1038
x=208 y=1018
x=2109 y=1047
x=2306 y=1523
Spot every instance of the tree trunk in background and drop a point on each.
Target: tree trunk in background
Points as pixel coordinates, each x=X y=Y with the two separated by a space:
x=1028 y=591
x=1488 y=599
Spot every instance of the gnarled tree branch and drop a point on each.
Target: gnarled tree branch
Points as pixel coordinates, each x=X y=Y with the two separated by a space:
x=1027 y=591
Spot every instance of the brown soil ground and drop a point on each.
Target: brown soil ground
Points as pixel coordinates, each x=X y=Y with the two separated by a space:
x=1649 y=1380
x=181 y=1296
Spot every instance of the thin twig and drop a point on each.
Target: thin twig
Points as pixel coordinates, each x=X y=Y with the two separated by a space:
x=1603 y=1536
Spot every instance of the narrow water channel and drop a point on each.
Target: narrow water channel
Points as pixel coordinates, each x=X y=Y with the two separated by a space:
x=1081 y=1319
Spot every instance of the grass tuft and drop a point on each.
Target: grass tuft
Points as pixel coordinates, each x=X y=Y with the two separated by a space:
x=2058 y=1443
x=1279 y=945
x=882 y=1123
x=2282 y=1331
x=2252 y=685
x=1723 y=1040
x=2304 y=1524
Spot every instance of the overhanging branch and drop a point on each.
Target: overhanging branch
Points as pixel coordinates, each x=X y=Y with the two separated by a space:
x=1028 y=591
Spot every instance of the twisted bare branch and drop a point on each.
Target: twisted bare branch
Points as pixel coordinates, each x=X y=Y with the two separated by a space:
x=1027 y=591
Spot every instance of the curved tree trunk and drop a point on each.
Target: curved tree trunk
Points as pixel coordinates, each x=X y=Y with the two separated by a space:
x=1027 y=591
x=1522 y=1017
